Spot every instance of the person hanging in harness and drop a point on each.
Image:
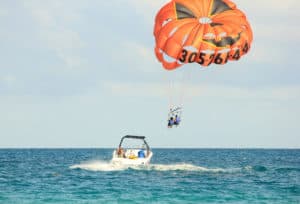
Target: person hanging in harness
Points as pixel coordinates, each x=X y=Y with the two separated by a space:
x=174 y=117
x=170 y=122
x=176 y=120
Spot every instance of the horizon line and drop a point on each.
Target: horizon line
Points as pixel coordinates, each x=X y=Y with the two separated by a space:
x=176 y=147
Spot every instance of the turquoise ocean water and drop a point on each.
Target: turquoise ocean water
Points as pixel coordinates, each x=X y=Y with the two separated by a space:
x=174 y=176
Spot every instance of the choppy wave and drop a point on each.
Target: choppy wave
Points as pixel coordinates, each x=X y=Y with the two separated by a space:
x=288 y=169
x=108 y=166
x=259 y=168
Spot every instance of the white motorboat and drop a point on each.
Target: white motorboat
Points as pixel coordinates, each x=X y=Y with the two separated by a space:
x=132 y=155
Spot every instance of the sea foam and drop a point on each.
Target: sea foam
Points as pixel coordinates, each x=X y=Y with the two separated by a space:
x=98 y=165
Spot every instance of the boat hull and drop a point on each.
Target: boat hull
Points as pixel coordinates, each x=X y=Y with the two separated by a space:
x=131 y=161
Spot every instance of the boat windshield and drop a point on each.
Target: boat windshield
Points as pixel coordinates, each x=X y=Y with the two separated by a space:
x=134 y=142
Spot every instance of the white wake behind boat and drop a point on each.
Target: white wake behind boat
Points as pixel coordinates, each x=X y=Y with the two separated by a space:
x=130 y=155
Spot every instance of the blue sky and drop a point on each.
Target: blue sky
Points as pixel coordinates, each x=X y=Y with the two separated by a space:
x=83 y=74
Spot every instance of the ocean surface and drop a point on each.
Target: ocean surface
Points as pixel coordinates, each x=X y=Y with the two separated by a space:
x=174 y=176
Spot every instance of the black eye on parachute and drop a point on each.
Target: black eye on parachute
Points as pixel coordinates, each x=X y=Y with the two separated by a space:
x=183 y=12
x=219 y=6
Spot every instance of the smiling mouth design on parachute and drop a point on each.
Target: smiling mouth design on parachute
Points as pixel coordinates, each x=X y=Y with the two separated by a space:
x=224 y=42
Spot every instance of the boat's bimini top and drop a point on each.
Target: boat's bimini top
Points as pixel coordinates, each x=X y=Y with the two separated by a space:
x=134 y=137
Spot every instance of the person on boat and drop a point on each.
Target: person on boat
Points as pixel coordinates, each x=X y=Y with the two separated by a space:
x=121 y=152
x=170 y=122
x=141 y=154
x=132 y=155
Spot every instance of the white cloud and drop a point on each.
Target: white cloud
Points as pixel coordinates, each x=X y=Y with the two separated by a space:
x=65 y=43
x=54 y=20
x=253 y=9
x=273 y=21
x=281 y=33
x=273 y=43
x=148 y=9
x=140 y=56
x=266 y=53
x=43 y=16
x=146 y=6
x=273 y=29
x=283 y=93
x=8 y=79
x=3 y=12
x=135 y=89
x=269 y=7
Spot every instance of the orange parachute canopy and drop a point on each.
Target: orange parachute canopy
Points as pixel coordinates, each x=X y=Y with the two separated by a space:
x=200 y=31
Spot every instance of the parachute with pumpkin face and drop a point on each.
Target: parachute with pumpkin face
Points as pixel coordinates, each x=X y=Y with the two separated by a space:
x=200 y=31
